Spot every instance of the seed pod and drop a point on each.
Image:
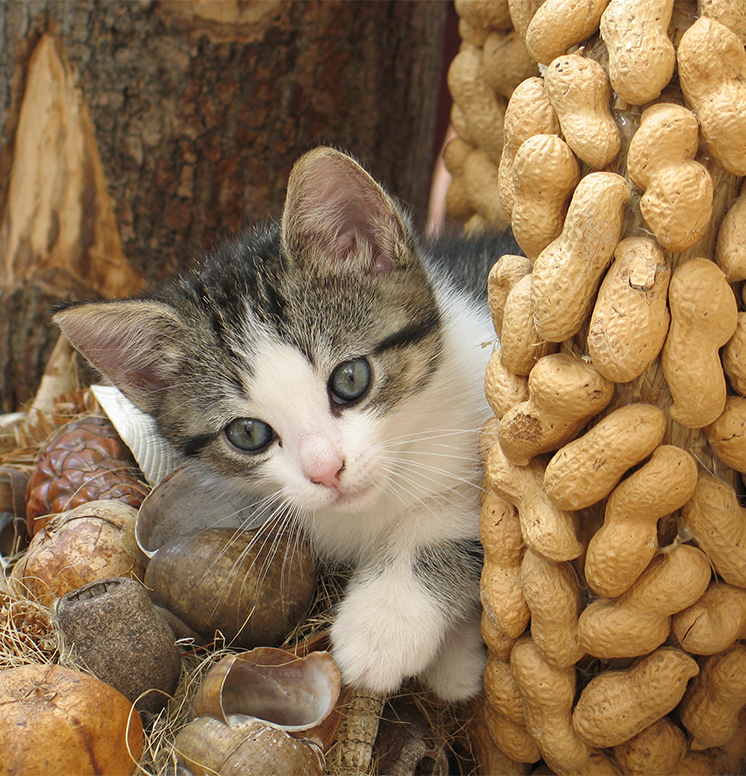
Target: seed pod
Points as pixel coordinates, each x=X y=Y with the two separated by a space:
x=92 y=542
x=84 y=460
x=112 y=625
x=251 y=586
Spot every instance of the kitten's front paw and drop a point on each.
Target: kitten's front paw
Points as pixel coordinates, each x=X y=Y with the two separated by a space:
x=377 y=647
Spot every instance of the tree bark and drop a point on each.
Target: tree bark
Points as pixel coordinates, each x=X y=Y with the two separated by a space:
x=196 y=110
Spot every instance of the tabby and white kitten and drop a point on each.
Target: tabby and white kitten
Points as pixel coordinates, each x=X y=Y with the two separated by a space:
x=323 y=363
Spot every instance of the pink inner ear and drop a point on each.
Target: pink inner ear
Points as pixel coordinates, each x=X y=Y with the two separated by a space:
x=333 y=202
x=124 y=341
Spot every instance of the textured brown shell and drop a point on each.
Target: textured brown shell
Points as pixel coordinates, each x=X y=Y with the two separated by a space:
x=85 y=460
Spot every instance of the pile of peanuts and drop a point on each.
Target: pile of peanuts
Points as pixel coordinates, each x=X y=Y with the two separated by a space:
x=614 y=585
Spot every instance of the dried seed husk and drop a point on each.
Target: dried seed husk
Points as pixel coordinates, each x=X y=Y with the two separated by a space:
x=253 y=586
x=91 y=542
x=114 y=629
x=206 y=747
x=295 y=694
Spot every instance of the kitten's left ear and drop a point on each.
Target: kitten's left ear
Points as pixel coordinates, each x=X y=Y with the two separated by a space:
x=337 y=215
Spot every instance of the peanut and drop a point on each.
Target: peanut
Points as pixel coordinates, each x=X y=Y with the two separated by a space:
x=734 y=356
x=529 y=113
x=703 y=319
x=480 y=181
x=677 y=203
x=718 y=523
x=553 y=596
x=730 y=252
x=579 y=91
x=520 y=345
x=587 y=469
x=506 y=63
x=504 y=390
x=712 y=73
x=641 y=57
x=512 y=738
x=548 y=693
x=482 y=109
x=727 y=435
x=487 y=14
x=558 y=25
x=568 y=271
x=630 y=318
x=732 y=15
x=545 y=173
x=616 y=705
x=640 y=620
x=621 y=549
x=564 y=393
x=500 y=534
x=714 y=622
x=504 y=274
x=654 y=751
x=710 y=708
x=546 y=530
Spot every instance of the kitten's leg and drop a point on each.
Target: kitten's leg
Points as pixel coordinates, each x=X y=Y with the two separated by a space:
x=388 y=628
x=395 y=618
x=456 y=673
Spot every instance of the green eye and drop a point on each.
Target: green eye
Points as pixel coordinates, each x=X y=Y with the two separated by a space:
x=249 y=434
x=350 y=380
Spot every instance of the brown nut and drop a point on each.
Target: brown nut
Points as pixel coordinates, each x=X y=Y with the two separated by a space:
x=727 y=435
x=564 y=393
x=703 y=318
x=251 y=587
x=630 y=317
x=718 y=523
x=112 y=626
x=568 y=271
x=714 y=622
x=91 y=542
x=640 y=619
x=677 y=203
x=58 y=722
x=529 y=113
x=641 y=56
x=710 y=708
x=616 y=705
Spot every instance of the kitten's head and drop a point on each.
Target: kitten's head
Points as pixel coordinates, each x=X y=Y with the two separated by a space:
x=283 y=360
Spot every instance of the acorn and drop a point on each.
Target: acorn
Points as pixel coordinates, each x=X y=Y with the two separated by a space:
x=84 y=460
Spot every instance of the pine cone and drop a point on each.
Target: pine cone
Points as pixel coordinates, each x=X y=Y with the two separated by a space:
x=82 y=461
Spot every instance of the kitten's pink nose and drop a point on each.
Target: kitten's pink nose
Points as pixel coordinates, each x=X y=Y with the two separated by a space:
x=327 y=474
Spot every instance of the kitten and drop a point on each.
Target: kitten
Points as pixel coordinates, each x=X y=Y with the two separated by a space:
x=325 y=364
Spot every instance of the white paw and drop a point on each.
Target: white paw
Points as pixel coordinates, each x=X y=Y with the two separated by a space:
x=456 y=672
x=384 y=633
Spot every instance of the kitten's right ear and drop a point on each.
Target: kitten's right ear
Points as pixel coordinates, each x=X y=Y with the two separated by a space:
x=337 y=217
x=129 y=342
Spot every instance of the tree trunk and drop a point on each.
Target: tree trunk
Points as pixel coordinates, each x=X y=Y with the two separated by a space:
x=137 y=133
